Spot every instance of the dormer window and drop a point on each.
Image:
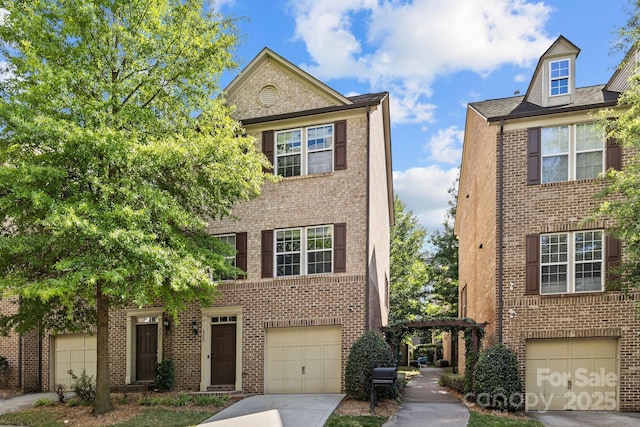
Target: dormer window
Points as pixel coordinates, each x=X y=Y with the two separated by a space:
x=559 y=77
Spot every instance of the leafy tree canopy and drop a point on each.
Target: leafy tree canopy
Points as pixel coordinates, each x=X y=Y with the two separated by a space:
x=115 y=151
x=620 y=200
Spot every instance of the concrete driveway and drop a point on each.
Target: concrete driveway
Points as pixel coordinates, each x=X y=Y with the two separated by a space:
x=586 y=418
x=278 y=410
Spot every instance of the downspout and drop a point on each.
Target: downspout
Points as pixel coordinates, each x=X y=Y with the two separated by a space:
x=367 y=278
x=40 y=336
x=500 y=225
x=20 y=348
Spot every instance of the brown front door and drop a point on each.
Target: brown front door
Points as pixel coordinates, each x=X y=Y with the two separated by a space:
x=223 y=354
x=146 y=351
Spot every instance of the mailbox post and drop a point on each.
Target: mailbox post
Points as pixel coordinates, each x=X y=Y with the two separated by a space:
x=381 y=377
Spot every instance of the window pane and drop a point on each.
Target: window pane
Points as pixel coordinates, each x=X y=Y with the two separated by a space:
x=555 y=168
x=588 y=255
x=589 y=137
x=320 y=138
x=319 y=250
x=289 y=141
x=288 y=252
x=559 y=69
x=588 y=165
x=288 y=265
x=554 y=279
x=320 y=162
x=560 y=87
x=554 y=257
x=288 y=165
x=555 y=140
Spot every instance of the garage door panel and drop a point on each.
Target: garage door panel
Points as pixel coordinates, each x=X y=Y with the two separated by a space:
x=585 y=371
x=316 y=350
x=74 y=352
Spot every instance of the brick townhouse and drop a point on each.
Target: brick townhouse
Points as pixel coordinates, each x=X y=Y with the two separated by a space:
x=314 y=245
x=531 y=263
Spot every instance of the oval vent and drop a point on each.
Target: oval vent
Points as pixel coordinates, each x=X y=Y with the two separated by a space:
x=268 y=96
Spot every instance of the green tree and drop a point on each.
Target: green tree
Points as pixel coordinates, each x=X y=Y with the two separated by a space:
x=444 y=261
x=620 y=200
x=114 y=153
x=409 y=272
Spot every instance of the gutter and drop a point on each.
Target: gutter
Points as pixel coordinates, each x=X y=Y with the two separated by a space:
x=500 y=226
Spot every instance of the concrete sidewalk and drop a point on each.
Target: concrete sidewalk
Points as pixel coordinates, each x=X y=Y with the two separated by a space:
x=427 y=403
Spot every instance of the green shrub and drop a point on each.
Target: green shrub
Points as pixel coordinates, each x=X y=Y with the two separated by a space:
x=496 y=383
x=43 y=401
x=367 y=352
x=165 y=375
x=84 y=387
x=205 y=400
x=453 y=381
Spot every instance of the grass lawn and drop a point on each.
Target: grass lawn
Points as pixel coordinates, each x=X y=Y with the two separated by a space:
x=479 y=419
x=355 y=421
x=149 y=417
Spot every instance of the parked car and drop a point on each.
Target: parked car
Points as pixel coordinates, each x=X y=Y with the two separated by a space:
x=422 y=360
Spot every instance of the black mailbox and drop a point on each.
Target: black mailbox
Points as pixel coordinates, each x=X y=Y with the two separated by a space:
x=384 y=376
x=381 y=377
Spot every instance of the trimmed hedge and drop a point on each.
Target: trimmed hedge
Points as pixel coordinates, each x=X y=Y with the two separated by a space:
x=367 y=352
x=453 y=381
x=496 y=383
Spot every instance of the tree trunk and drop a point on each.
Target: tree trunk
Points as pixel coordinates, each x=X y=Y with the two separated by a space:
x=102 y=403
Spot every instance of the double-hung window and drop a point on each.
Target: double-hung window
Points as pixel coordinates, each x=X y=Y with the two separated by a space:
x=304 y=151
x=559 y=77
x=302 y=251
x=571 y=262
x=572 y=152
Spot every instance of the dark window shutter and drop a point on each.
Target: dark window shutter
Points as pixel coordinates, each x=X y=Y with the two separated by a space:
x=533 y=156
x=612 y=261
x=533 y=265
x=267 y=253
x=614 y=155
x=340 y=248
x=241 y=251
x=340 y=145
x=268 y=147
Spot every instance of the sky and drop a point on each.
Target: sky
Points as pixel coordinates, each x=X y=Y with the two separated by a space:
x=433 y=57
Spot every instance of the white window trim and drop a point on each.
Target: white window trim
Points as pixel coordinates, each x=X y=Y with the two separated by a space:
x=304 y=266
x=304 y=150
x=553 y=79
x=572 y=154
x=571 y=263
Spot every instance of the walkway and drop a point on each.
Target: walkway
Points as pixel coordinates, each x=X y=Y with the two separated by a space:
x=424 y=400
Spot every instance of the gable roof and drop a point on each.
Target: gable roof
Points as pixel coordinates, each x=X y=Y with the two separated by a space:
x=267 y=54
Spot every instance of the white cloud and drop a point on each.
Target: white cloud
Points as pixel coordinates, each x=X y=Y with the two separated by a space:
x=408 y=44
x=217 y=5
x=424 y=191
x=446 y=146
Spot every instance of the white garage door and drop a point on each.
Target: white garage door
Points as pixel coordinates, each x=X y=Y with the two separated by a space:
x=572 y=374
x=74 y=352
x=303 y=360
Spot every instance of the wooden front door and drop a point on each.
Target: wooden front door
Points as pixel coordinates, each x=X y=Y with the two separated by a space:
x=223 y=354
x=146 y=351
